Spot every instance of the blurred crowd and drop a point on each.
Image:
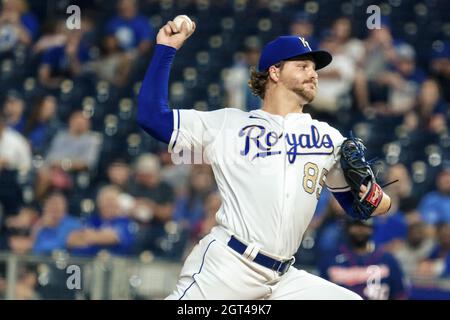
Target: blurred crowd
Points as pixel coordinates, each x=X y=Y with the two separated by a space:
x=77 y=173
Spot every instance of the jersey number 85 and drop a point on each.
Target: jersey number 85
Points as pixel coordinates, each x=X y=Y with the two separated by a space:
x=311 y=172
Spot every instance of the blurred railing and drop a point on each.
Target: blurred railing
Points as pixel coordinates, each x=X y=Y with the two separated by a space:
x=426 y=288
x=62 y=276
x=107 y=277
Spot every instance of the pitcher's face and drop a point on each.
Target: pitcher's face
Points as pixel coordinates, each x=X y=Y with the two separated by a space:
x=300 y=76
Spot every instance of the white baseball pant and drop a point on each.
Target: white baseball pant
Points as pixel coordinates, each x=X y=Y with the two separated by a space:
x=215 y=271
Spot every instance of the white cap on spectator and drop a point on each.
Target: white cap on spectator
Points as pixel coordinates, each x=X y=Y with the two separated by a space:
x=148 y=163
x=405 y=51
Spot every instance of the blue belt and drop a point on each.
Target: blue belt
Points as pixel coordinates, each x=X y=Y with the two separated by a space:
x=279 y=266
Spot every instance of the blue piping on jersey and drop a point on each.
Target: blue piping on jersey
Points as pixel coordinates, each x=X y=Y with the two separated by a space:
x=178 y=129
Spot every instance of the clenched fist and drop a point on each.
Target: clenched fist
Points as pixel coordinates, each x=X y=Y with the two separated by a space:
x=171 y=35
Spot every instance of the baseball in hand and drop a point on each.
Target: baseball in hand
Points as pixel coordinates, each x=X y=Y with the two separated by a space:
x=179 y=20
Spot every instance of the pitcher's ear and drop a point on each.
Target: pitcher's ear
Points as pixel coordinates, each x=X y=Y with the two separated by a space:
x=274 y=73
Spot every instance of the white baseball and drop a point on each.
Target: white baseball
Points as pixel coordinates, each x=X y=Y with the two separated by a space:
x=179 y=20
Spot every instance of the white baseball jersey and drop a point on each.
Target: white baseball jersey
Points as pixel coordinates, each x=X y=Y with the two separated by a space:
x=270 y=170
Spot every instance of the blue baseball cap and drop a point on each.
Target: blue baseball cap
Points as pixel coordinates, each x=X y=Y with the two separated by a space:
x=287 y=47
x=302 y=17
x=440 y=49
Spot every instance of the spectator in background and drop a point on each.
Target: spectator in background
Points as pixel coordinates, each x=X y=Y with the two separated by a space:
x=77 y=144
x=55 y=225
x=14 y=150
x=20 y=242
x=13 y=110
x=113 y=65
x=353 y=48
x=350 y=46
x=110 y=230
x=435 y=205
x=391 y=229
x=41 y=124
x=403 y=82
x=129 y=30
x=19 y=230
x=17 y=25
x=119 y=174
x=336 y=80
x=401 y=190
x=417 y=247
x=431 y=107
x=154 y=209
x=211 y=206
x=53 y=36
x=73 y=150
x=379 y=52
x=67 y=57
x=429 y=116
x=26 y=285
x=154 y=198
x=23 y=220
x=189 y=210
x=440 y=67
x=302 y=25
x=373 y=274
x=438 y=263
x=237 y=91
x=176 y=176
x=328 y=228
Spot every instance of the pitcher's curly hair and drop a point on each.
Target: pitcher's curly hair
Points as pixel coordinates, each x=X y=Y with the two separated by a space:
x=258 y=80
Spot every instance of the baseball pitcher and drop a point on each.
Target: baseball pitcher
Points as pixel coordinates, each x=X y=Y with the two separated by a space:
x=270 y=166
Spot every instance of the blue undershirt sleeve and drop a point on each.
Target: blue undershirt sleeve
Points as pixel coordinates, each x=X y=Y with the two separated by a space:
x=154 y=115
x=345 y=199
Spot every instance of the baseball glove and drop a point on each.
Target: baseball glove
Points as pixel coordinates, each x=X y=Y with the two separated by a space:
x=357 y=172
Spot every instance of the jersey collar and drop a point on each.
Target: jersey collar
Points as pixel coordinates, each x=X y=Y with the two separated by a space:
x=293 y=115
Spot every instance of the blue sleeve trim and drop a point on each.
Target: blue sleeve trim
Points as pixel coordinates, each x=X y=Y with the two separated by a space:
x=178 y=129
x=345 y=199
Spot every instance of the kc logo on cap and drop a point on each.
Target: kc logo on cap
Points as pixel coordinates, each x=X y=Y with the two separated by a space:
x=305 y=43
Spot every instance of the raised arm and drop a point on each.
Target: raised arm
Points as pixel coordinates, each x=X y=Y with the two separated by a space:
x=154 y=115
